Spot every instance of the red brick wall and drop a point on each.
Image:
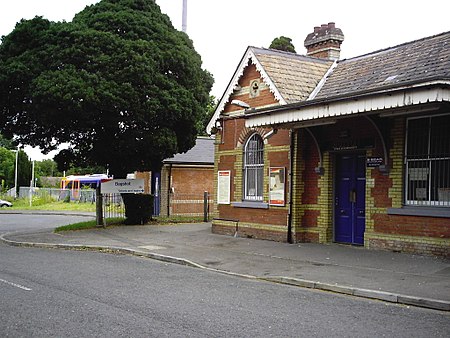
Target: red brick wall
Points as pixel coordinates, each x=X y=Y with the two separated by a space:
x=274 y=216
x=192 y=180
x=249 y=232
x=307 y=237
x=309 y=176
x=380 y=192
x=412 y=225
x=265 y=97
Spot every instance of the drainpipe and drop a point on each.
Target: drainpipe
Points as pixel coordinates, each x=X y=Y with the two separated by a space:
x=169 y=189
x=291 y=185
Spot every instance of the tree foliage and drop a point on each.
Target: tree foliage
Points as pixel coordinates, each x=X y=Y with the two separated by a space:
x=206 y=116
x=6 y=143
x=118 y=83
x=7 y=168
x=283 y=43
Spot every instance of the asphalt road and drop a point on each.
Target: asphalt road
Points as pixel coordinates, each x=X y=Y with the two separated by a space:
x=59 y=293
x=23 y=222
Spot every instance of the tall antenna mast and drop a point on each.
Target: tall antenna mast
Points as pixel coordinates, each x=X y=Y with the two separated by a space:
x=184 y=21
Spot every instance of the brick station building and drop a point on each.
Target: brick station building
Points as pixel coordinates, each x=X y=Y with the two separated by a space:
x=310 y=148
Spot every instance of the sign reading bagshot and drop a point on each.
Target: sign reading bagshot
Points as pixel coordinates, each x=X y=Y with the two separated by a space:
x=123 y=186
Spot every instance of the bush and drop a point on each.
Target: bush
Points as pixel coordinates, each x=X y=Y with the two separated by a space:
x=42 y=199
x=138 y=208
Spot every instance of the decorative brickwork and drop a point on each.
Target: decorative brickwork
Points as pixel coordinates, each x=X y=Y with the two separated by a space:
x=325 y=201
x=370 y=202
x=396 y=156
x=298 y=209
x=415 y=234
x=270 y=223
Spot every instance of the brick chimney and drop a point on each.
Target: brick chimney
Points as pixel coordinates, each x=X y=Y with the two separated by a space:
x=325 y=42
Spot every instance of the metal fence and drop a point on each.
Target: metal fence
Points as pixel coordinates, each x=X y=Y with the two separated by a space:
x=196 y=205
x=83 y=195
x=113 y=206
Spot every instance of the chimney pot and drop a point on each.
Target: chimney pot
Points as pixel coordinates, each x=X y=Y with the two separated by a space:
x=325 y=42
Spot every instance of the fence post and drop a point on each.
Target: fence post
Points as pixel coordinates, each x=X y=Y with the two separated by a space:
x=98 y=206
x=205 y=206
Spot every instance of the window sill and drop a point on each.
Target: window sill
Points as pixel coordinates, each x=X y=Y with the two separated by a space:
x=248 y=204
x=420 y=211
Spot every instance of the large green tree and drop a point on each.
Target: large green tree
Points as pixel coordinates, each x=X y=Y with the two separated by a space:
x=118 y=83
x=6 y=143
x=283 y=43
x=7 y=169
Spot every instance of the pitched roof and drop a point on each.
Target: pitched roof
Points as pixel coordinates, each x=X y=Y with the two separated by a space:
x=201 y=153
x=289 y=76
x=295 y=76
x=422 y=60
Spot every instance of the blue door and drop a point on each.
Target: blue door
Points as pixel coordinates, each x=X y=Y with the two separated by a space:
x=350 y=196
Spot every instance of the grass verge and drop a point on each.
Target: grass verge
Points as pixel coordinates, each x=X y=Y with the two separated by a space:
x=89 y=224
x=24 y=204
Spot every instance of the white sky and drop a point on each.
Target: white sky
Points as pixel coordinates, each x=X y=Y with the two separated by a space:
x=222 y=30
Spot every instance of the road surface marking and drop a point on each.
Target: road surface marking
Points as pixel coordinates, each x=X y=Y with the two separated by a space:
x=16 y=285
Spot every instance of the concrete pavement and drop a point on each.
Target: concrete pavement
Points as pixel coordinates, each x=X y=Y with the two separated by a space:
x=388 y=276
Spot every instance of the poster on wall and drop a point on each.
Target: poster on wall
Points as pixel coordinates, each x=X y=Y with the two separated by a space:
x=223 y=186
x=276 y=193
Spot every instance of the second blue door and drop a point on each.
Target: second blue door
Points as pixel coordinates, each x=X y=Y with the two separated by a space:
x=350 y=191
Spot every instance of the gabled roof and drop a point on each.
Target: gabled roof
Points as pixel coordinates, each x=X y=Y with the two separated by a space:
x=289 y=76
x=201 y=153
x=295 y=76
x=423 y=60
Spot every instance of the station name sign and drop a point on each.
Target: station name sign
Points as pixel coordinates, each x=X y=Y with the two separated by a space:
x=123 y=186
x=373 y=162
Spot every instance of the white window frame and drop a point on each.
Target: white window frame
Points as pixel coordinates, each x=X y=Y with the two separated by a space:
x=253 y=168
x=425 y=171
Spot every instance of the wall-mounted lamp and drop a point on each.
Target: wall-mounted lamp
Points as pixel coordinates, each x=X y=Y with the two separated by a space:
x=217 y=127
x=240 y=103
x=270 y=133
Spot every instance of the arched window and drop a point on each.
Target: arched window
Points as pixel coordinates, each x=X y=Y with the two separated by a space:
x=254 y=168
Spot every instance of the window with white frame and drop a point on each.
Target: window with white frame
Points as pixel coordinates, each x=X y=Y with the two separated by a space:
x=254 y=168
x=428 y=161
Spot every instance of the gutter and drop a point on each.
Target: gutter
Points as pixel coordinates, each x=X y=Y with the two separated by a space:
x=349 y=96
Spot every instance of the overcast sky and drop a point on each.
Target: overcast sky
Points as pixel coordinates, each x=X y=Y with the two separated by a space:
x=221 y=30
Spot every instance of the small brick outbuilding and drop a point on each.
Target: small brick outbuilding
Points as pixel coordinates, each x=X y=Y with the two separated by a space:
x=185 y=178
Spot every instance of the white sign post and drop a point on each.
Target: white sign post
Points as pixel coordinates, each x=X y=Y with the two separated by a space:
x=123 y=186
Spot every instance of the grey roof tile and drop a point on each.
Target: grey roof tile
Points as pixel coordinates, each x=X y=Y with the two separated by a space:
x=422 y=60
x=201 y=153
x=295 y=76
